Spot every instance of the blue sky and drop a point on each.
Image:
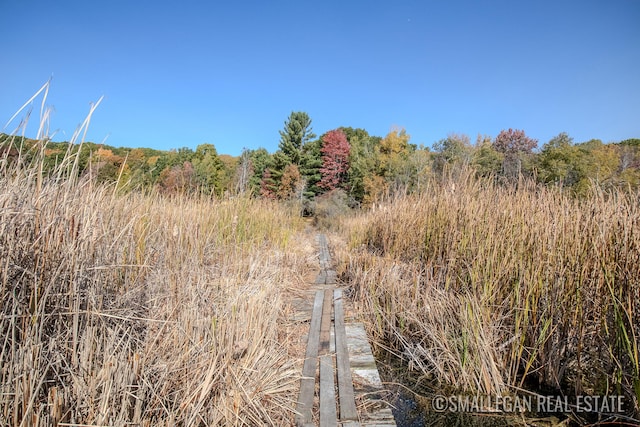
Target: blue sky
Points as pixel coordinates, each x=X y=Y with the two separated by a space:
x=178 y=74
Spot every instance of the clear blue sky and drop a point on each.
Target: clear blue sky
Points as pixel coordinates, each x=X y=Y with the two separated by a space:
x=178 y=74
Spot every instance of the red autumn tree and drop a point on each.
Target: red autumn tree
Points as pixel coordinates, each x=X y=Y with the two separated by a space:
x=335 y=159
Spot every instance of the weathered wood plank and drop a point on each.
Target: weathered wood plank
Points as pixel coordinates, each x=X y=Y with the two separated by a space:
x=331 y=277
x=325 y=326
x=308 y=380
x=348 y=409
x=323 y=252
x=322 y=239
x=364 y=370
x=353 y=359
x=328 y=413
x=321 y=278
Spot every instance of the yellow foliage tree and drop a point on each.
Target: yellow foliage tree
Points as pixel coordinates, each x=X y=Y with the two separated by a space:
x=375 y=187
x=394 y=152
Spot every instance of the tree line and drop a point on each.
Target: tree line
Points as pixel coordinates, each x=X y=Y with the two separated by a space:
x=362 y=167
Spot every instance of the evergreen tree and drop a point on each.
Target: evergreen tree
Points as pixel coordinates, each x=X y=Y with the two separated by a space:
x=294 y=138
x=297 y=132
x=310 y=168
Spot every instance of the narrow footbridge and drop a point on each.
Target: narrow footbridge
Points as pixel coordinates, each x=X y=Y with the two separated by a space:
x=340 y=384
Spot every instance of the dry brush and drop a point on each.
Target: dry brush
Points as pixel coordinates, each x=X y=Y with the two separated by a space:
x=481 y=286
x=138 y=308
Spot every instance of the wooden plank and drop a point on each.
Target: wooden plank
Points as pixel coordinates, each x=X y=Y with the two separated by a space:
x=323 y=250
x=324 y=262
x=328 y=413
x=363 y=368
x=322 y=240
x=348 y=409
x=331 y=277
x=308 y=380
x=325 y=325
x=321 y=279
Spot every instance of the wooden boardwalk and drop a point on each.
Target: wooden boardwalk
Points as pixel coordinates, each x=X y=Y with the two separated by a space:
x=337 y=352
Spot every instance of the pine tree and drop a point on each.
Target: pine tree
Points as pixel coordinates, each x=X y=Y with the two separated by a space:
x=310 y=168
x=297 y=132
x=295 y=138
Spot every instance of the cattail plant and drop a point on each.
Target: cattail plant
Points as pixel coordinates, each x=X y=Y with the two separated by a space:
x=482 y=286
x=139 y=309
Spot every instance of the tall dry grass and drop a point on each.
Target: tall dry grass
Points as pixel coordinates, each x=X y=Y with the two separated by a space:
x=480 y=286
x=140 y=309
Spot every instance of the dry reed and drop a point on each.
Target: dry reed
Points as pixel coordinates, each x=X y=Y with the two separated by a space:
x=139 y=309
x=490 y=288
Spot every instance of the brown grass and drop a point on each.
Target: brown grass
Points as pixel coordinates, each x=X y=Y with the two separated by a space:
x=140 y=309
x=483 y=287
